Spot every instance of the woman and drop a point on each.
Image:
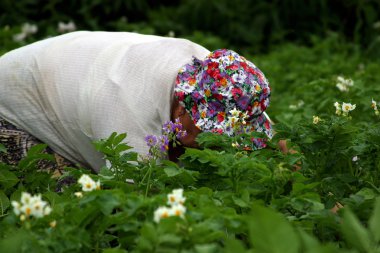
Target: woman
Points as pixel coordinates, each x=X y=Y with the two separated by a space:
x=70 y=90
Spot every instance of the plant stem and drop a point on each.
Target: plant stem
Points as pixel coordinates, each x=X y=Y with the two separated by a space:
x=148 y=182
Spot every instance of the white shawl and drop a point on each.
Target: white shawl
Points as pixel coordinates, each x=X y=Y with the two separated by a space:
x=79 y=87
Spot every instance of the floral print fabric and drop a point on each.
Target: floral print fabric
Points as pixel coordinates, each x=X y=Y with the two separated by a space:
x=225 y=93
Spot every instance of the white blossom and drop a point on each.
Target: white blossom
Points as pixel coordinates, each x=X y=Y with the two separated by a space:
x=374 y=107
x=177 y=210
x=338 y=109
x=235 y=113
x=347 y=107
x=374 y=104
x=176 y=197
x=30 y=205
x=88 y=184
x=344 y=84
x=78 y=194
x=16 y=207
x=376 y=25
x=69 y=27
x=160 y=213
x=316 y=119
x=53 y=224
x=171 y=34
x=29 y=28
x=26 y=30
x=175 y=201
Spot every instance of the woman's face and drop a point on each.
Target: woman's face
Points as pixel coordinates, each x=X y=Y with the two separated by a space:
x=192 y=131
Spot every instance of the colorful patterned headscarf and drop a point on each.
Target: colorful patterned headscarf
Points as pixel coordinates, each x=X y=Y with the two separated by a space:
x=225 y=93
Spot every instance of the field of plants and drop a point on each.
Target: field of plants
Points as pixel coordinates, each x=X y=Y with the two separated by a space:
x=322 y=196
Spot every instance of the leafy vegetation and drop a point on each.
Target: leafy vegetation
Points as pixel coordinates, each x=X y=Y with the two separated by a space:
x=323 y=196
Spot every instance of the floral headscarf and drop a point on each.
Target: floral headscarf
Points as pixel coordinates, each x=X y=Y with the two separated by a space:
x=225 y=93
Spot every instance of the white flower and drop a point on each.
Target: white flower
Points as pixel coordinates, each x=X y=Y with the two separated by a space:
x=343 y=84
x=16 y=207
x=235 y=145
x=19 y=37
x=338 y=108
x=35 y=199
x=69 y=27
x=188 y=88
x=374 y=105
x=296 y=106
x=26 y=30
x=29 y=29
x=376 y=25
x=244 y=115
x=38 y=208
x=53 y=224
x=175 y=200
x=347 y=107
x=342 y=87
x=25 y=198
x=316 y=119
x=233 y=120
x=31 y=206
x=78 y=194
x=355 y=158
x=176 y=197
x=26 y=209
x=47 y=210
x=177 y=210
x=235 y=113
x=160 y=213
x=88 y=184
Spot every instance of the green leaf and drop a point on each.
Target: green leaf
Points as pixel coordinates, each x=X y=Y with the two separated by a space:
x=233 y=245
x=4 y=203
x=3 y=149
x=119 y=138
x=122 y=147
x=206 y=248
x=270 y=232
x=172 y=171
x=354 y=232
x=366 y=193
x=115 y=251
x=148 y=238
x=7 y=179
x=53 y=198
x=374 y=221
x=239 y=202
x=37 y=149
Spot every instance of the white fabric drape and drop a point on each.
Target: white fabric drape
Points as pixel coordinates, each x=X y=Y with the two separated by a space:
x=75 y=88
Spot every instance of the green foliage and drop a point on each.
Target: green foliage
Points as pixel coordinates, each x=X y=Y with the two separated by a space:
x=253 y=26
